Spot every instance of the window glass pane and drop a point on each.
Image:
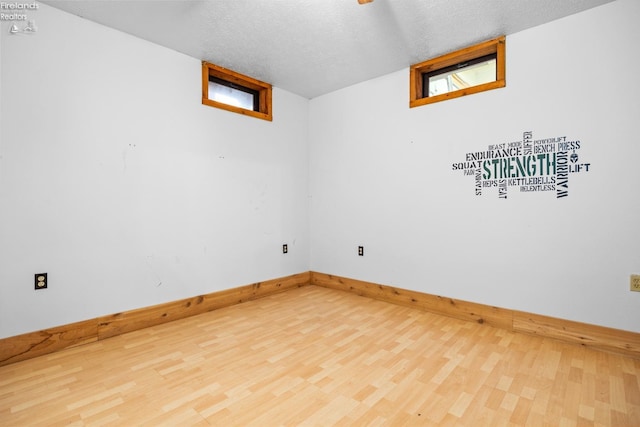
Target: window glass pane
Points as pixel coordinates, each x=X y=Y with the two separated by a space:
x=471 y=75
x=230 y=96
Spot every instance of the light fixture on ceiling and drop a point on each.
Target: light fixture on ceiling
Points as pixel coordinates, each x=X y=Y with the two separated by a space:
x=364 y=1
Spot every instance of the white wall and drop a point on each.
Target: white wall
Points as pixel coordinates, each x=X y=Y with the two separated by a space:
x=118 y=183
x=381 y=176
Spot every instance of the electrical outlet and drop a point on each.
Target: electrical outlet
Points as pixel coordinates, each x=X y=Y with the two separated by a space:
x=40 y=281
x=360 y=250
x=285 y=248
x=634 y=283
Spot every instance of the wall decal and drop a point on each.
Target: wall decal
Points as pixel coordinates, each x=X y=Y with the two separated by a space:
x=528 y=165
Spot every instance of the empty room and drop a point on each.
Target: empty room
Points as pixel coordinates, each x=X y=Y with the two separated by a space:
x=305 y=212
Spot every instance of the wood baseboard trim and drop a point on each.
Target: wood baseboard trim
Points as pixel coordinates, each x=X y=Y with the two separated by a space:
x=33 y=344
x=597 y=337
x=607 y=339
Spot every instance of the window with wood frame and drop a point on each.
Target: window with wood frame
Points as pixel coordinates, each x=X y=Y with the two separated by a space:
x=471 y=70
x=226 y=89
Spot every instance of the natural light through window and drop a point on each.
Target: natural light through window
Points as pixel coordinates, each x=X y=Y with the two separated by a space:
x=230 y=96
x=463 y=76
x=464 y=72
x=228 y=90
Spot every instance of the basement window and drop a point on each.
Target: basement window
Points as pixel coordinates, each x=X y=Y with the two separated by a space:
x=231 y=91
x=471 y=70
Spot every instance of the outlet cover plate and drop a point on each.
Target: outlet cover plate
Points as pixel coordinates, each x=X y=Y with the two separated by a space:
x=634 y=283
x=40 y=281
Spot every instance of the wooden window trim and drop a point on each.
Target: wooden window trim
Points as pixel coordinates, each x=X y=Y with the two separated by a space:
x=494 y=46
x=264 y=91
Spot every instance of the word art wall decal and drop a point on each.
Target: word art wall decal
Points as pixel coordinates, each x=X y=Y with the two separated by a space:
x=529 y=165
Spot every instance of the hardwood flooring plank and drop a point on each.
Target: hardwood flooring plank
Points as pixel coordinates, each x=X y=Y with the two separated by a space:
x=319 y=356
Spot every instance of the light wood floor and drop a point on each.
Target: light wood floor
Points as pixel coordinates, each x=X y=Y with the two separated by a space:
x=314 y=356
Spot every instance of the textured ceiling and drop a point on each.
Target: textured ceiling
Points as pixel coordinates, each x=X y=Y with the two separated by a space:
x=312 y=47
